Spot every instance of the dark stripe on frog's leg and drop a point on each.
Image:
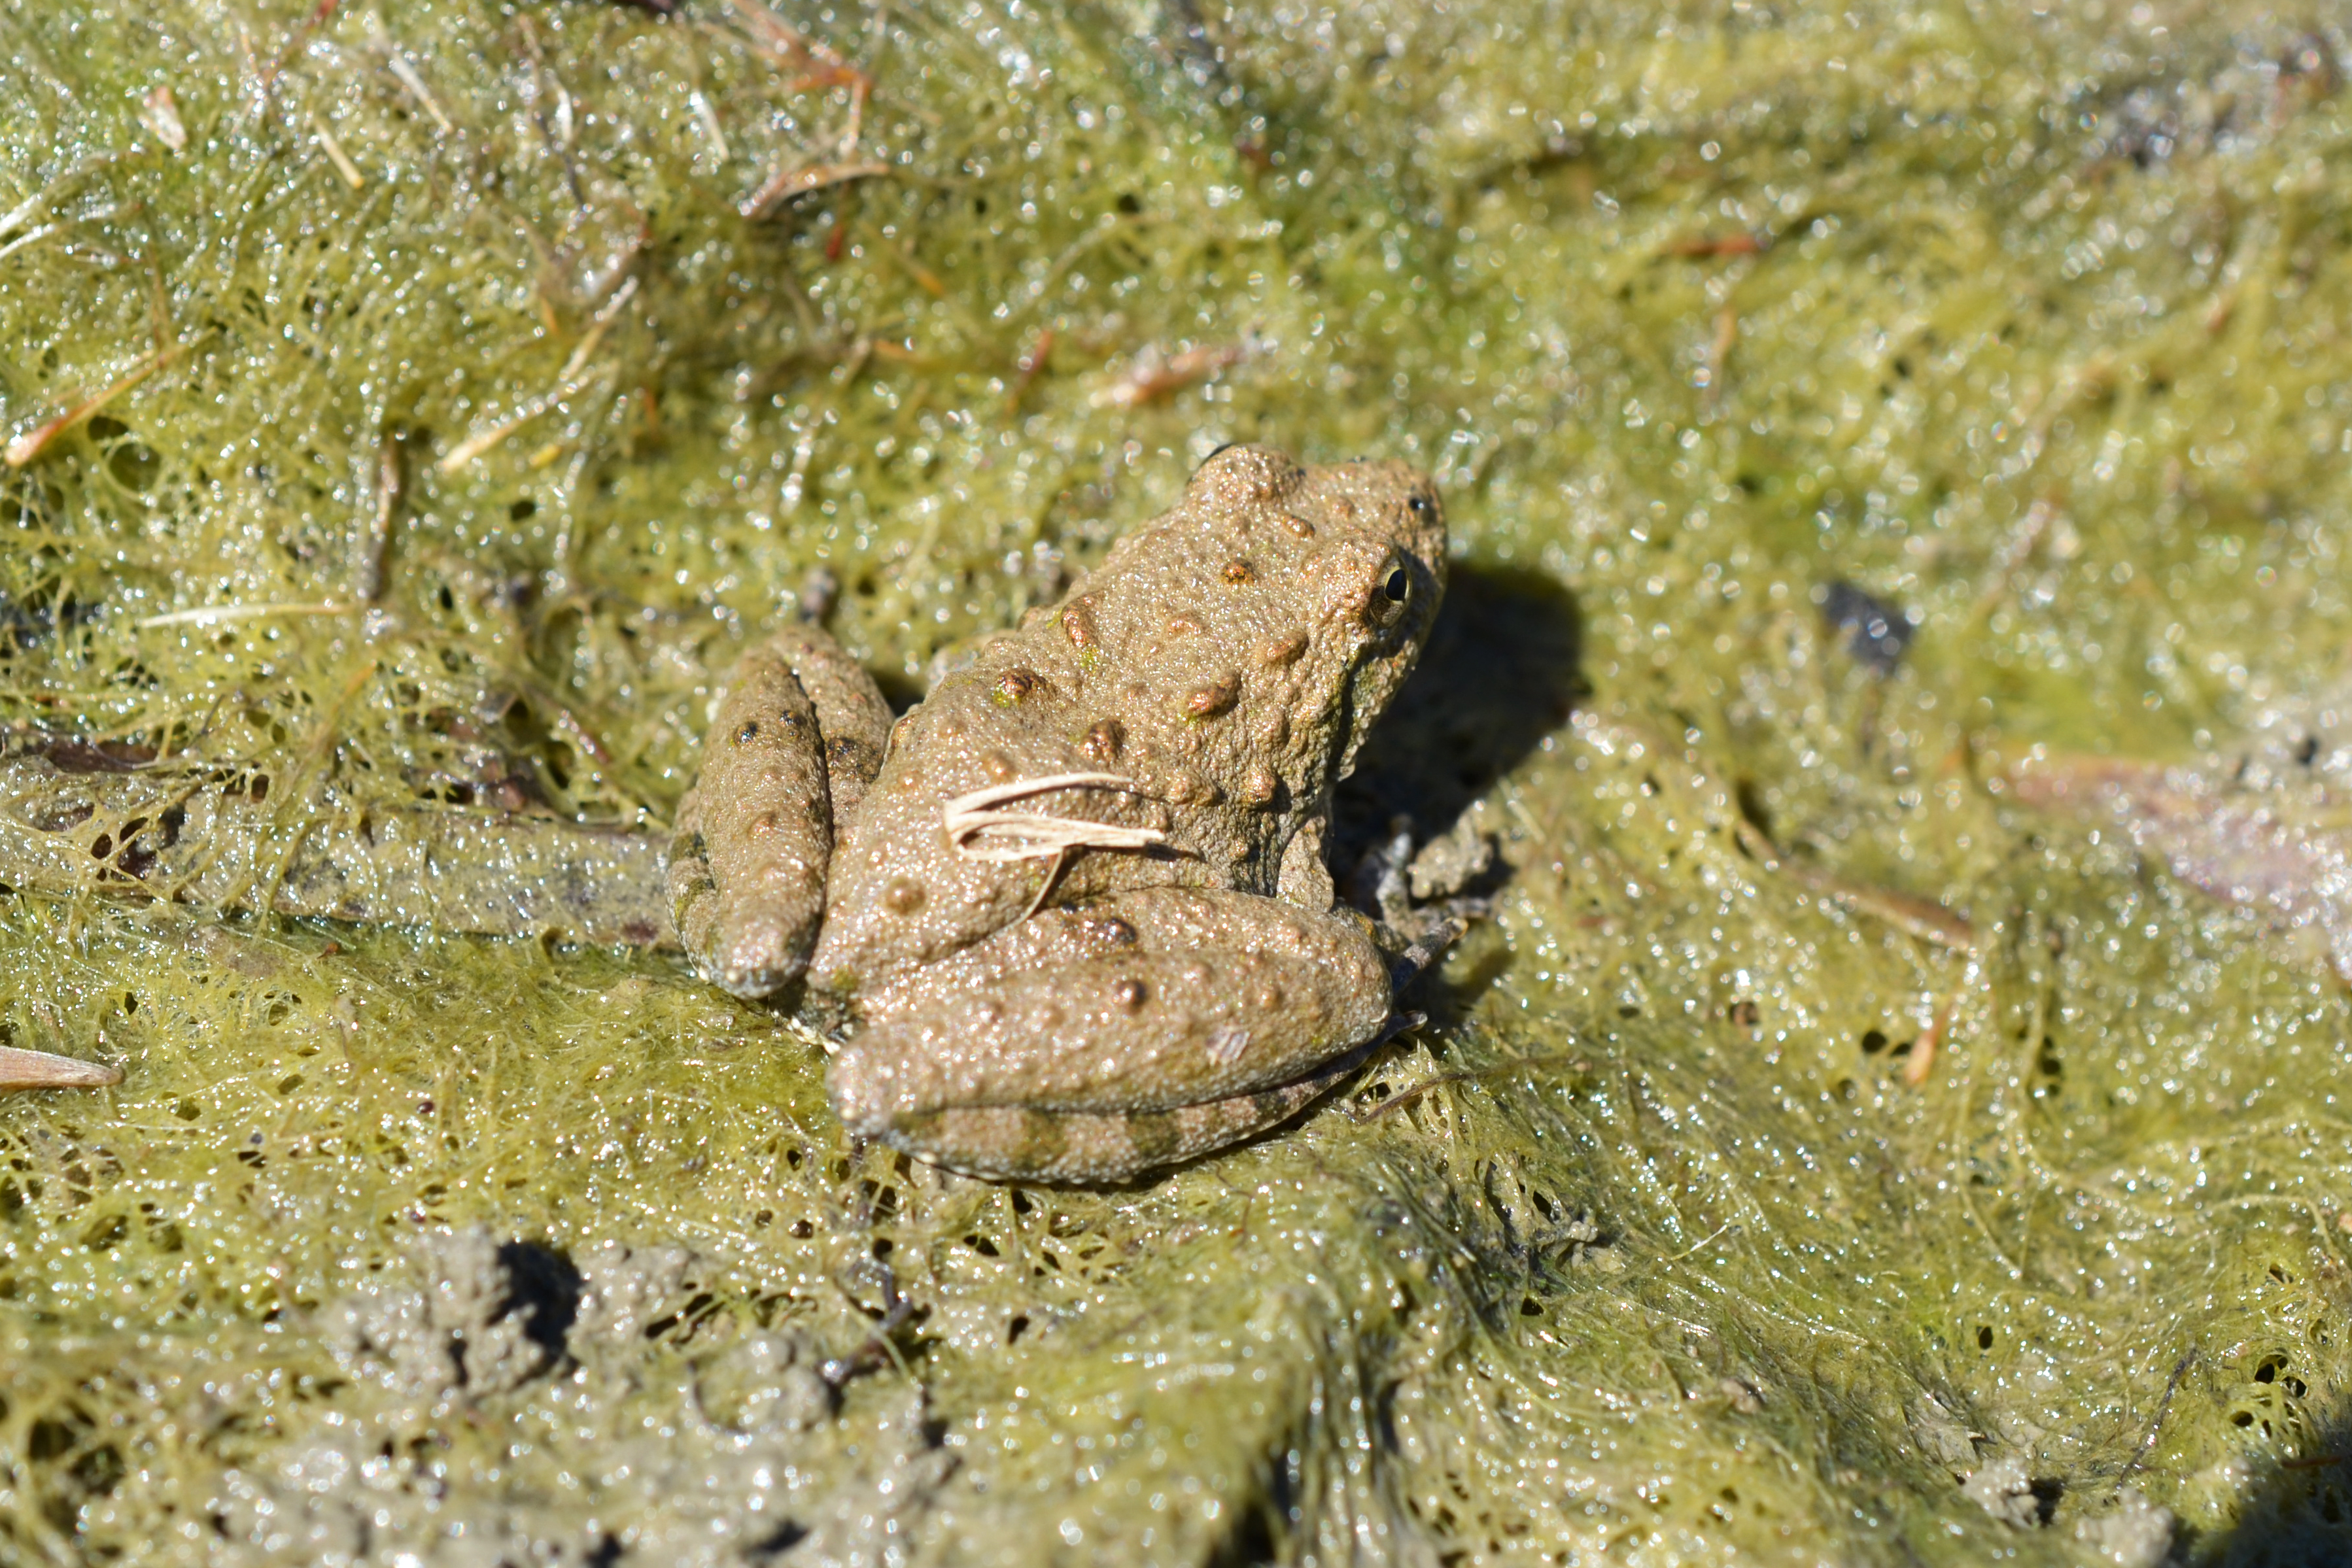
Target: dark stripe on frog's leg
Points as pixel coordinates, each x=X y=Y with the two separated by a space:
x=853 y=719
x=1013 y=1142
x=687 y=891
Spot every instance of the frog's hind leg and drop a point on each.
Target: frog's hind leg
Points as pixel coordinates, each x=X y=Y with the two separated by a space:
x=1013 y=1142
x=1100 y=1041
x=798 y=736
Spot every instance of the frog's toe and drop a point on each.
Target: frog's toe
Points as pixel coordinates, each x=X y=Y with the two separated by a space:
x=1020 y=1143
x=756 y=962
x=749 y=942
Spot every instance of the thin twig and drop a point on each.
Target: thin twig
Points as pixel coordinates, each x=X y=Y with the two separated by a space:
x=595 y=336
x=573 y=380
x=1045 y=888
x=336 y=155
x=482 y=439
x=790 y=183
x=2171 y=1387
x=1727 y=1227
x=1926 y=919
x=706 y=116
x=31 y=238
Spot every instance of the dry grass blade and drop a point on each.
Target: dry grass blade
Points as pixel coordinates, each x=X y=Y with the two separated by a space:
x=1008 y=836
x=336 y=155
x=570 y=382
x=414 y=80
x=160 y=113
x=1921 y=917
x=36 y=441
x=1154 y=374
x=221 y=615
x=39 y=1069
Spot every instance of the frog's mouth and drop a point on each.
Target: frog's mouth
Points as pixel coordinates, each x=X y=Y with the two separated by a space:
x=1020 y=1143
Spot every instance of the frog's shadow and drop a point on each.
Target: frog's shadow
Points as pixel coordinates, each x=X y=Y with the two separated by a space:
x=1500 y=672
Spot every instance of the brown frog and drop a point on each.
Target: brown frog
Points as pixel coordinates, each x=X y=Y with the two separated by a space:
x=1073 y=911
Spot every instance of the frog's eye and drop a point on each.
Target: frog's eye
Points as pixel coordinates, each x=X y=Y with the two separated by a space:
x=1419 y=506
x=1389 y=598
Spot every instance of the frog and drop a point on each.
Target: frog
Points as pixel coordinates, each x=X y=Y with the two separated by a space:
x=1070 y=919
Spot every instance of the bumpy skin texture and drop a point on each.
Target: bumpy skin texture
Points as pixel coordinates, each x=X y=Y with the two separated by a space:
x=797 y=737
x=1081 y=921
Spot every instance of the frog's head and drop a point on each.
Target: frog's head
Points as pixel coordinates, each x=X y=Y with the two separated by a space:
x=1381 y=571
x=1371 y=538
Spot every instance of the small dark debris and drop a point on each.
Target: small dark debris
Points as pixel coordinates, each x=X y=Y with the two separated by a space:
x=544 y=1292
x=787 y=1535
x=70 y=754
x=1876 y=633
x=27 y=622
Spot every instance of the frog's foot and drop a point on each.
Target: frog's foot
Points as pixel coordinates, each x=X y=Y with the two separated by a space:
x=1016 y=1143
x=797 y=737
x=1379 y=885
x=1417 y=896
x=1422 y=940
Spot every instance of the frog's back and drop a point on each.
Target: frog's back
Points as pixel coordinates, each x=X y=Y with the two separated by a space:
x=1204 y=681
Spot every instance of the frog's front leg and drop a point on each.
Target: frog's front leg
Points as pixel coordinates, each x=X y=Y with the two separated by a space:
x=799 y=733
x=1096 y=1043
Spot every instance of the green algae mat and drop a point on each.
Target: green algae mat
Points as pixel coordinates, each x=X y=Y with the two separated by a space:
x=1865 y=1131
